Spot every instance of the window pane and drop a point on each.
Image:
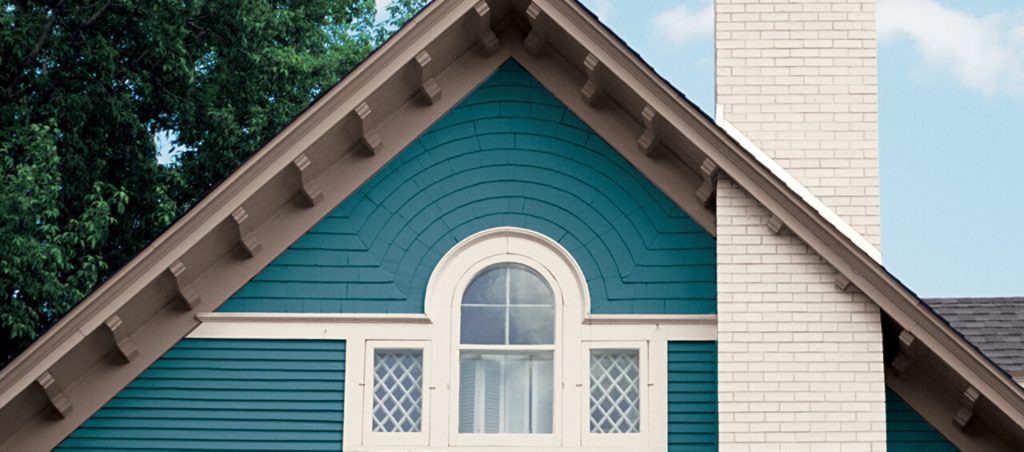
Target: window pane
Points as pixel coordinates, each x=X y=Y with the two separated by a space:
x=489 y=287
x=531 y=325
x=527 y=287
x=505 y=392
x=397 y=390
x=614 y=391
x=483 y=325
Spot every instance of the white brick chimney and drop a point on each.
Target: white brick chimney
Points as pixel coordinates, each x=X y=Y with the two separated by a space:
x=800 y=360
x=799 y=78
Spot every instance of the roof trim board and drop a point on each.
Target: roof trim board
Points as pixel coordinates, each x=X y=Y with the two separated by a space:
x=205 y=241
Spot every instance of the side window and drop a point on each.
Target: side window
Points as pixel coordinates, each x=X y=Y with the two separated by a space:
x=395 y=393
x=616 y=404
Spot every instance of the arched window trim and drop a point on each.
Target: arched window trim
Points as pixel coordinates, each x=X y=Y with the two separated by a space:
x=443 y=302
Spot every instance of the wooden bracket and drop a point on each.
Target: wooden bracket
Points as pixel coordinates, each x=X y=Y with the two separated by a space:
x=902 y=360
x=535 y=40
x=706 y=192
x=429 y=88
x=842 y=282
x=649 y=138
x=122 y=340
x=592 y=89
x=775 y=225
x=966 y=412
x=480 y=20
x=57 y=399
x=370 y=138
x=310 y=190
x=187 y=294
x=246 y=233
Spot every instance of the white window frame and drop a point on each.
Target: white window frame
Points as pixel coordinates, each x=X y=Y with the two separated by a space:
x=434 y=331
x=504 y=439
x=420 y=438
x=618 y=440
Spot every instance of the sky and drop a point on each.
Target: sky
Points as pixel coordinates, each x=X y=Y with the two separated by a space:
x=951 y=114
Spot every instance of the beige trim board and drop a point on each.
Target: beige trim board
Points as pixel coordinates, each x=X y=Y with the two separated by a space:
x=634 y=107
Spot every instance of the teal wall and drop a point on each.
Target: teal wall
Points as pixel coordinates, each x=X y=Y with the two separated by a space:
x=692 y=396
x=509 y=154
x=207 y=394
x=908 y=431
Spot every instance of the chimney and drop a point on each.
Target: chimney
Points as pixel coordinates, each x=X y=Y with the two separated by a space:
x=799 y=78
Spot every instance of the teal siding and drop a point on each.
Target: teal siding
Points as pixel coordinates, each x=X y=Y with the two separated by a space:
x=692 y=396
x=908 y=431
x=509 y=154
x=207 y=394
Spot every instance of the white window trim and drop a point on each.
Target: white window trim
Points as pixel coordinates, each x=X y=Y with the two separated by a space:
x=435 y=330
x=619 y=440
x=455 y=296
x=420 y=438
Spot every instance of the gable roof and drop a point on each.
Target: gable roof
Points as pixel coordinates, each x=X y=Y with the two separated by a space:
x=336 y=144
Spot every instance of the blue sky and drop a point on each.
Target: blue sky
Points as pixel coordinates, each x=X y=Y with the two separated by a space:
x=951 y=109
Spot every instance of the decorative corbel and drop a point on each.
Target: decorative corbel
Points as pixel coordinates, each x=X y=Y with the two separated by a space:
x=902 y=360
x=188 y=296
x=649 y=138
x=592 y=89
x=535 y=40
x=246 y=233
x=706 y=192
x=369 y=137
x=310 y=190
x=842 y=282
x=775 y=224
x=966 y=412
x=60 y=402
x=480 y=20
x=428 y=87
x=124 y=343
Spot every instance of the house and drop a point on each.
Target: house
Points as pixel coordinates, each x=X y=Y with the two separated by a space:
x=505 y=230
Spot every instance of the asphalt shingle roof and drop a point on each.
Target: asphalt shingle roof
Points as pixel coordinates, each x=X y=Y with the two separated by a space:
x=994 y=325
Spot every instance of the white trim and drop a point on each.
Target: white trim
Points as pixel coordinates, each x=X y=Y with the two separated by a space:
x=212 y=317
x=650 y=319
x=647 y=415
x=795 y=185
x=420 y=438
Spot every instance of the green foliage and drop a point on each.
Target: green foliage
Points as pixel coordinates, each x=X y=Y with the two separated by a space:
x=85 y=86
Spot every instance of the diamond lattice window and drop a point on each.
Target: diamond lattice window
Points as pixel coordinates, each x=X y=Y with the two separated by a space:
x=397 y=391
x=614 y=391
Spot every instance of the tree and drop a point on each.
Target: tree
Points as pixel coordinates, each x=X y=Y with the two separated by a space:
x=85 y=86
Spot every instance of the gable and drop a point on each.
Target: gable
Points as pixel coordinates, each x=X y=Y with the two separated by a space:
x=137 y=315
x=509 y=154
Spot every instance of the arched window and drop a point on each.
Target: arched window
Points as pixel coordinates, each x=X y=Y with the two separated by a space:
x=506 y=352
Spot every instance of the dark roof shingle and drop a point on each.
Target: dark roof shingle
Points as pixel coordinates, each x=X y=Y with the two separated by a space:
x=993 y=325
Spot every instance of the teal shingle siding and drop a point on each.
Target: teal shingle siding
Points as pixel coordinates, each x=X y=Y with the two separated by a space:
x=908 y=431
x=509 y=154
x=692 y=396
x=210 y=394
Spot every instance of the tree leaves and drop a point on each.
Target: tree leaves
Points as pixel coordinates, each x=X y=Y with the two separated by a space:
x=84 y=87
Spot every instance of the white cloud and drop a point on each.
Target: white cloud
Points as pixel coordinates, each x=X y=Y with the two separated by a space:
x=684 y=24
x=982 y=52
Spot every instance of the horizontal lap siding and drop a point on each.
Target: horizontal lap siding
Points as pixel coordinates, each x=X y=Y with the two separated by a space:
x=692 y=396
x=908 y=431
x=510 y=154
x=207 y=394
